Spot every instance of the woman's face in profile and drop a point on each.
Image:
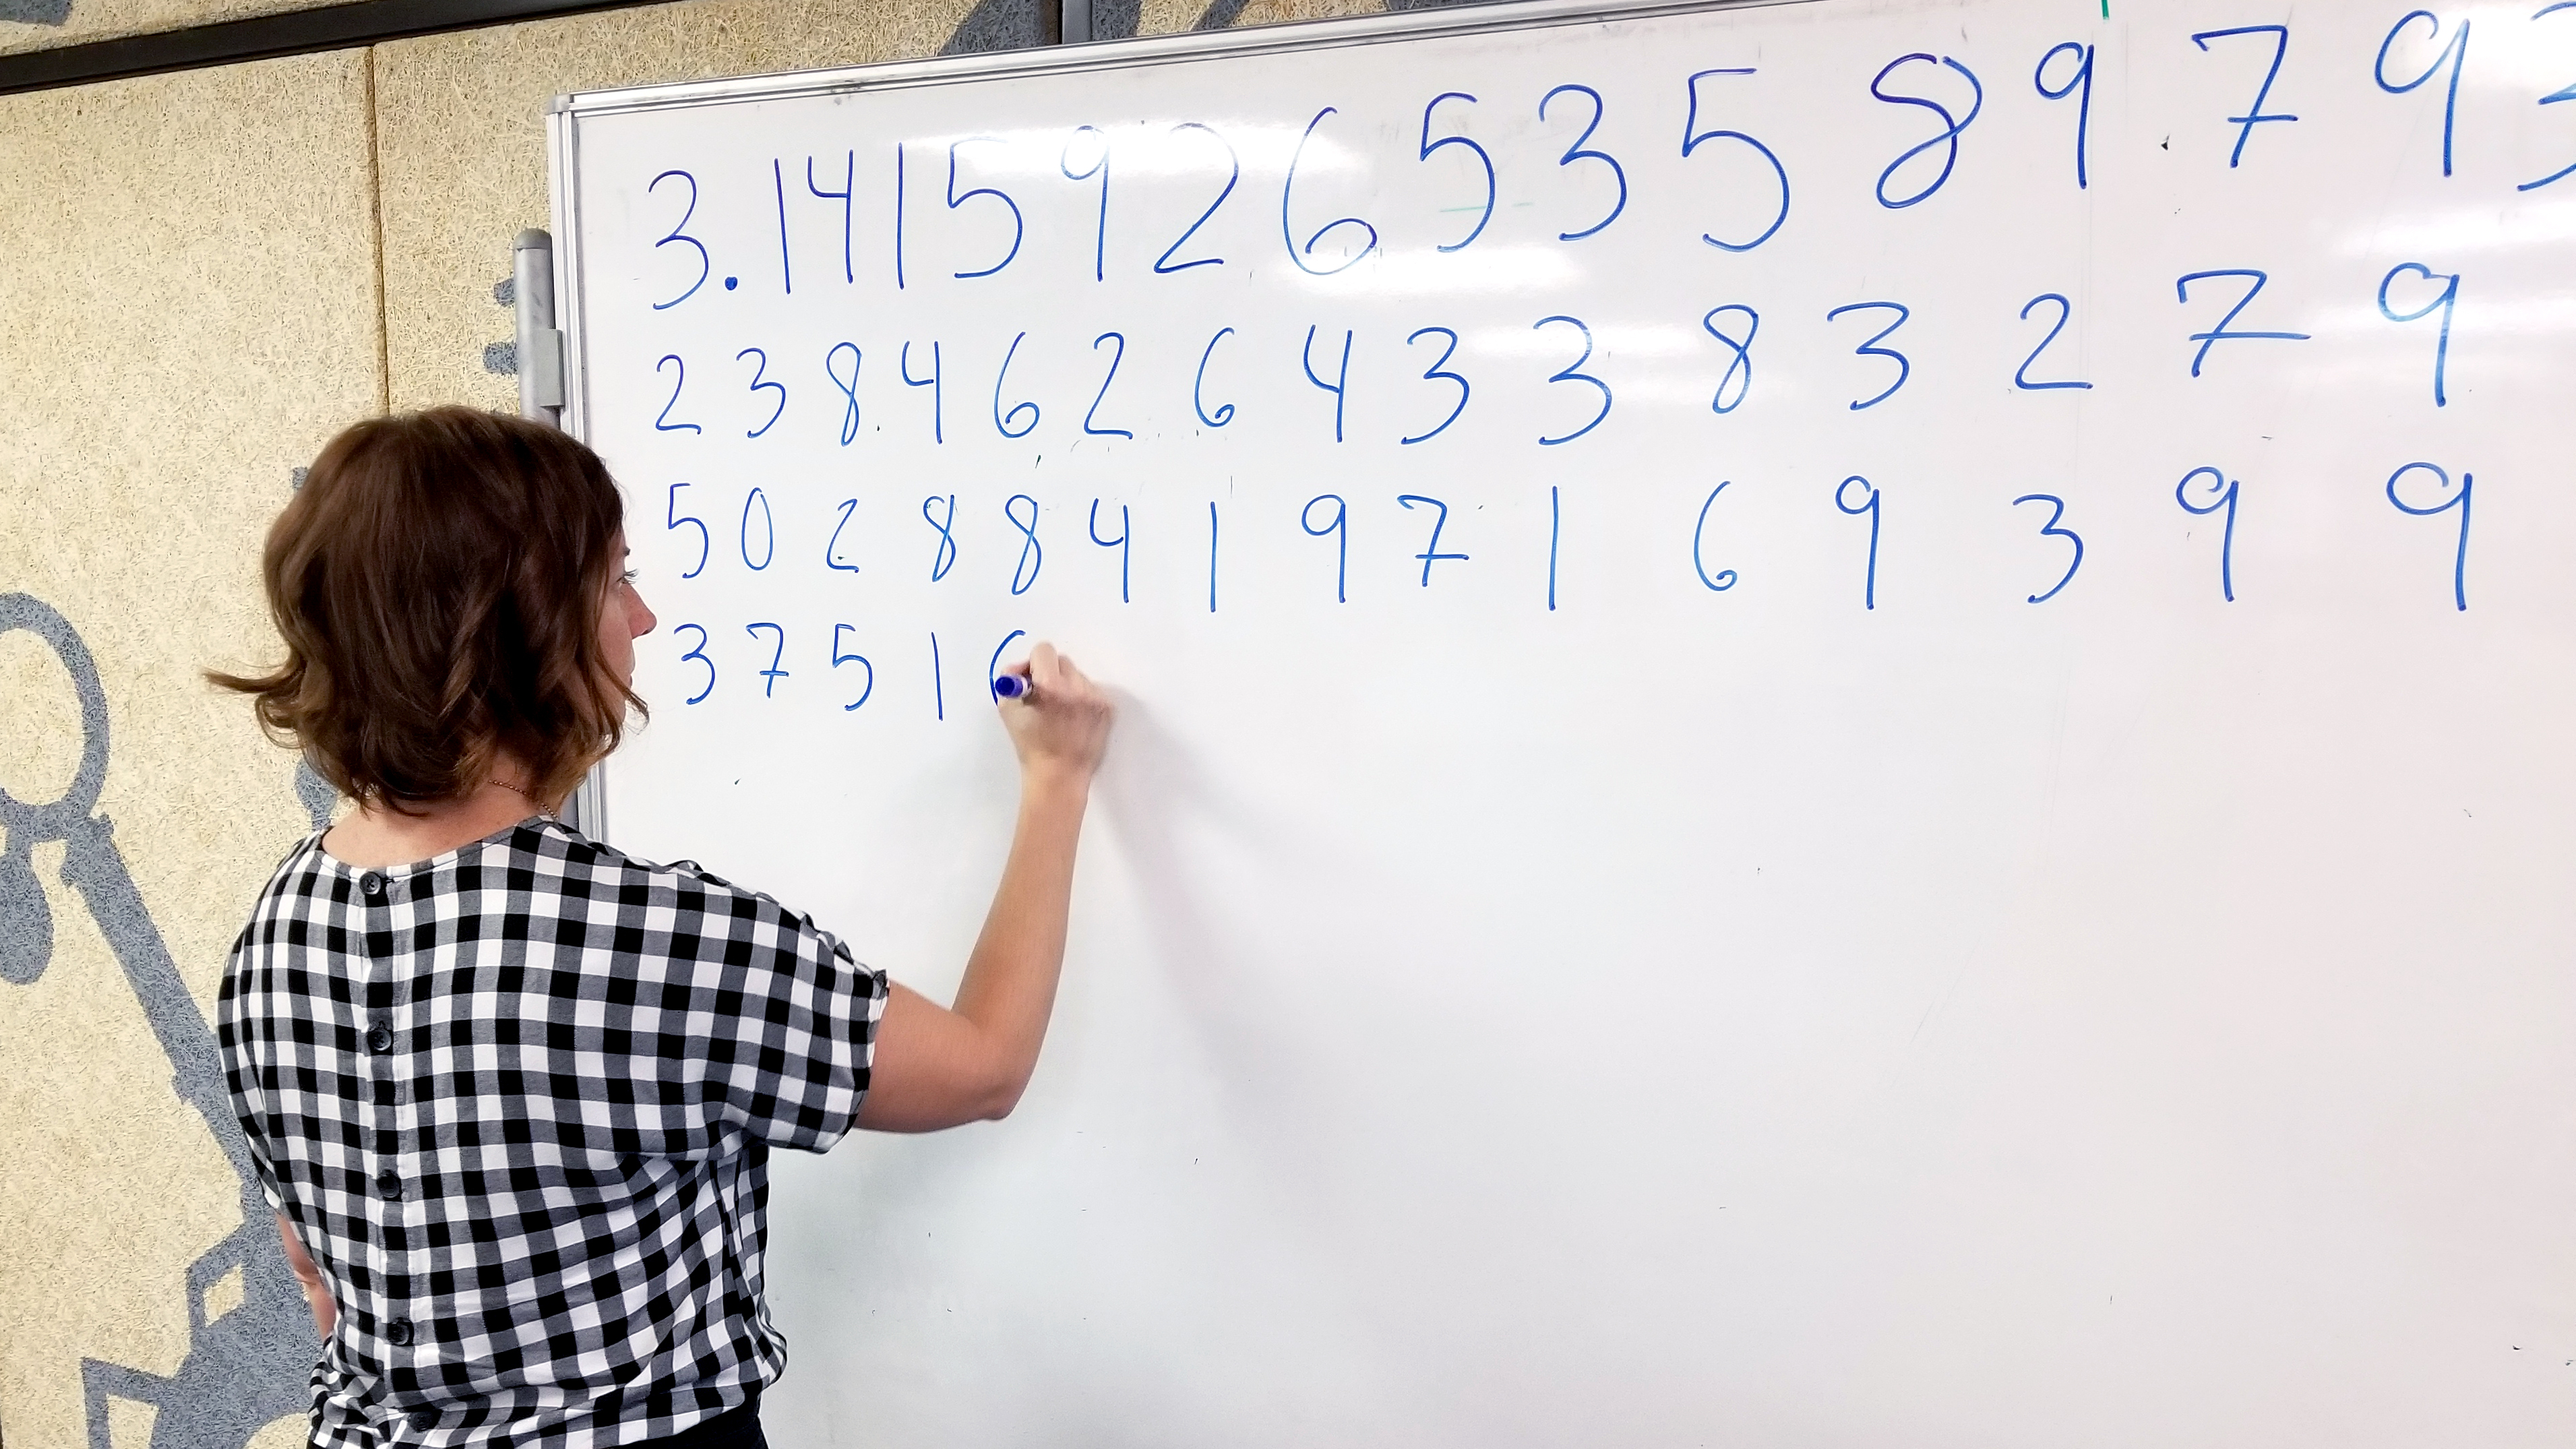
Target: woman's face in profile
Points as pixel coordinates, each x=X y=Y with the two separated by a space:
x=625 y=619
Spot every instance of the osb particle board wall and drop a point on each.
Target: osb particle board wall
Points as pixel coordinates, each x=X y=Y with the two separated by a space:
x=191 y=309
x=210 y=273
x=45 y=24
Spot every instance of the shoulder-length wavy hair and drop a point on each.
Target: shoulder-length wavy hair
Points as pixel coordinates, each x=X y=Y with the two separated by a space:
x=439 y=581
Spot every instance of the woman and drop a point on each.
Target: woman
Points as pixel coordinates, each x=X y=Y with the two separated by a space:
x=511 y=1091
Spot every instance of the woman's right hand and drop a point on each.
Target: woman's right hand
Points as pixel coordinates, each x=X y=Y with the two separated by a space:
x=1060 y=726
x=935 y=1066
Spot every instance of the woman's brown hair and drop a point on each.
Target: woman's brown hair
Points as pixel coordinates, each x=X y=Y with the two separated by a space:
x=439 y=580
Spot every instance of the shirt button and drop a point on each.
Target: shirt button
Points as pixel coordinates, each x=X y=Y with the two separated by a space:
x=373 y=884
x=424 y=1418
x=398 y=1333
x=389 y=1182
x=380 y=1038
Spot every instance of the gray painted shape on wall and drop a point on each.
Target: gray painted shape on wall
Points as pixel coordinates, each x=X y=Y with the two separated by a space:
x=254 y=1364
x=315 y=793
x=26 y=927
x=997 y=25
x=36 y=12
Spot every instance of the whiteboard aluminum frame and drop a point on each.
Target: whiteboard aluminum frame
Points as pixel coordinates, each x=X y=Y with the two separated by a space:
x=566 y=112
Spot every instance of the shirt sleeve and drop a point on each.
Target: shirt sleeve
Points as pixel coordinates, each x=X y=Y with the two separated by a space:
x=792 y=1026
x=241 y=1082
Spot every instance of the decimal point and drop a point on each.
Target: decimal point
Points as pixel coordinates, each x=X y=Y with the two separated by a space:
x=732 y=282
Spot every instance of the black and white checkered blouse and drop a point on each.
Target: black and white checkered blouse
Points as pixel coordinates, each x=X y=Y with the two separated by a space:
x=518 y=1102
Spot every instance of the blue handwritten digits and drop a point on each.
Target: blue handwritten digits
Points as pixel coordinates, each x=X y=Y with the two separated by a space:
x=2454 y=53
x=662 y=422
x=903 y=365
x=1451 y=139
x=2220 y=333
x=1572 y=372
x=678 y=236
x=778 y=181
x=832 y=546
x=1099 y=168
x=768 y=532
x=898 y=216
x=673 y=518
x=1434 y=373
x=1555 y=530
x=1577 y=152
x=697 y=652
x=2080 y=85
x=1951 y=125
x=1692 y=136
x=2254 y=114
x=759 y=372
x=2057 y=510
x=1904 y=369
x=2222 y=494
x=1164 y=263
x=1288 y=233
x=1341 y=380
x=993 y=664
x=1224 y=413
x=2021 y=374
x=2458 y=500
x=1003 y=420
x=1107 y=378
x=1341 y=528
x=769 y=677
x=1723 y=579
x=1869 y=505
x=944 y=556
x=2443 y=302
x=938 y=683
x=1211 y=556
x=861 y=660
x=849 y=389
x=849 y=189
x=1019 y=228
x=1032 y=558
x=2564 y=93
x=1125 y=530
x=1739 y=369
x=1431 y=553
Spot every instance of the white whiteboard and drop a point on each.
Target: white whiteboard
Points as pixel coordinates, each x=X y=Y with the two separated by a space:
x=1567 y=1001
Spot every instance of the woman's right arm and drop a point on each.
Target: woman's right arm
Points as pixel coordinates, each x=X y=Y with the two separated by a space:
x=317 y=1294
x=940 y=1066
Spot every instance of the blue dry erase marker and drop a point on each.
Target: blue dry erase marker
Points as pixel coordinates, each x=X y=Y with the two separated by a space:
x=1012 y=686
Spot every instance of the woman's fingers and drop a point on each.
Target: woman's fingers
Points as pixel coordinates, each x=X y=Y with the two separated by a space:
x=1063 y=719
